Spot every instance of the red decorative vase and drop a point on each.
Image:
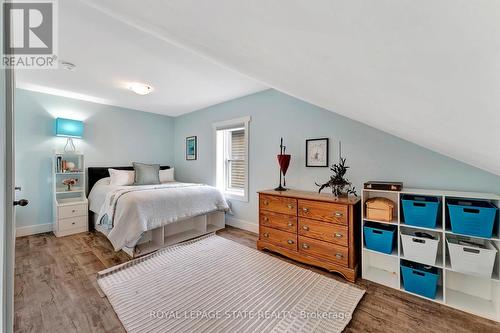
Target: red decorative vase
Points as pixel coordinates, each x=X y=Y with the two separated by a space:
x=284 y=162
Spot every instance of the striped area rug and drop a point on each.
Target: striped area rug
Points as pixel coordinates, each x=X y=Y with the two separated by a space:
x=212 y=284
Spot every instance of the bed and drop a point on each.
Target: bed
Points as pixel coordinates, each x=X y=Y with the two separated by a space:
x=142 y=219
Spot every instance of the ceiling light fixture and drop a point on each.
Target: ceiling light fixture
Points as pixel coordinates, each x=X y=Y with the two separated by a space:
x=140 y=88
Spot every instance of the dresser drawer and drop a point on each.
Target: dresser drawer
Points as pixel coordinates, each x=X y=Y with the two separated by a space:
x=324 y=250
x=72 y=211
x=72 y=223
x=279 y=221
x=279 y=238
x=324 y=211
x=326 y=231
x=278 y=204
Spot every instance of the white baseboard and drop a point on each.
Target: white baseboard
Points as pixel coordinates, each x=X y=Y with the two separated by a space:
x=245 y=225
x=33 y=229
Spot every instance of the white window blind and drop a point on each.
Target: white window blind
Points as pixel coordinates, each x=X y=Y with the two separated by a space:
x=236 y=162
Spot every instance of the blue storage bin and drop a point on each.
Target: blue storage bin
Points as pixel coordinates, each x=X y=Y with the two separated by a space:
x=379 y=237
x=472 y=217
x=420 y=211
x=420 y=279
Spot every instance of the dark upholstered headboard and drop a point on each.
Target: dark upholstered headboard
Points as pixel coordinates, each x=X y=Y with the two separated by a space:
x=96 y=173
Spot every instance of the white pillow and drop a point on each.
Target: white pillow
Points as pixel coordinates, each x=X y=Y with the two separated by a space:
x=121 y=177
x=167 y=175
x=103 y=181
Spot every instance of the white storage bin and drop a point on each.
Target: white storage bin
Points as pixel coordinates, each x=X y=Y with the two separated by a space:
x=420 y=249
x=469 y=259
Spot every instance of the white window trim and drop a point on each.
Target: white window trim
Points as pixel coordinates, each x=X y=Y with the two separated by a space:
x=243 y=122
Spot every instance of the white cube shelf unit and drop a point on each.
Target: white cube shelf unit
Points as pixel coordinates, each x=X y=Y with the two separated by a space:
x=474 y=294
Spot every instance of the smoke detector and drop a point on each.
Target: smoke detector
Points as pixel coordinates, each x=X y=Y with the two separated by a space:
x=68 y=66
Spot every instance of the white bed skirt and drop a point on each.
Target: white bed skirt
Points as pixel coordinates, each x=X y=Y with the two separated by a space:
x=172 y=233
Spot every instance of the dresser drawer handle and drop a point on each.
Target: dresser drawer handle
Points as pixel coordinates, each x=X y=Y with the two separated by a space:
x=290 y=206
x=338 y=235
x=306 y=228
x=290 y=241
x=339 y=214
x=305 y=246
x=266 y=218
x=266 y=234
x=266 y=202
x=73 y=223
x=339 y=255
x=305 y=210
x=290 y=224
x=73 y=211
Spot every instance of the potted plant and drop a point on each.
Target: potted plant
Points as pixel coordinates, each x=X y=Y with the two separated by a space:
x=340 y=185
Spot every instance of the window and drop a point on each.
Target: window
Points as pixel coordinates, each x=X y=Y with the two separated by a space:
x=231 y=139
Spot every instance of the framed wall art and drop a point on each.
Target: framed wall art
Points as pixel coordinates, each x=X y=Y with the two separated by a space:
x=191 y=148
x=317 y=152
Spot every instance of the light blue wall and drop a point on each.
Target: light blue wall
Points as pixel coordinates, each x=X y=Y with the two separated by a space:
x=113 y=137
x=118 y=136
x=372 y=154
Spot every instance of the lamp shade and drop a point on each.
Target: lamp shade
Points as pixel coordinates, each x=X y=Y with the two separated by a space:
x=69 y=128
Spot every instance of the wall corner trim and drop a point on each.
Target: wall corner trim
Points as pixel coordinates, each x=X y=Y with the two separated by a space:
x=242 y=224
x=33 y=229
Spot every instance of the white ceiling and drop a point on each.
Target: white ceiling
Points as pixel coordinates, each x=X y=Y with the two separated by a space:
x=427 y=71
x=109 y=54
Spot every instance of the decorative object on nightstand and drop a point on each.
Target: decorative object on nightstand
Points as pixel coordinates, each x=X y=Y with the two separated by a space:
x=313 y=228
x=339 y=185
x=284 y=162
x=70 y=182
x=69 y=128
x=317 y=152
x=70 y=203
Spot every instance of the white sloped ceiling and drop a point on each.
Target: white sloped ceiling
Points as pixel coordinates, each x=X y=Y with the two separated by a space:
x=427 y=71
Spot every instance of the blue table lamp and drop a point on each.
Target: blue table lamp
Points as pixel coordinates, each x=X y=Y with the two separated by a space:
x=70 y=129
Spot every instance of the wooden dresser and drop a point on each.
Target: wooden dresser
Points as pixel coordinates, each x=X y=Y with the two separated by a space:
x=316 y=229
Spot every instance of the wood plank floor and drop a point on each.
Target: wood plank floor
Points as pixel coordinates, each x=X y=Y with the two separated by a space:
x=55 y=291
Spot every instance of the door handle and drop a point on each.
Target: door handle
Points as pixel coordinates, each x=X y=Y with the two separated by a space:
x=17 y=188
x=22 y=203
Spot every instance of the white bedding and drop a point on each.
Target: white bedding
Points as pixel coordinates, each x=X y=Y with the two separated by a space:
x=132 y=210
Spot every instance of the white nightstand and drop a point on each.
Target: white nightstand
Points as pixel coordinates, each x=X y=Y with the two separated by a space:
x=70 y=207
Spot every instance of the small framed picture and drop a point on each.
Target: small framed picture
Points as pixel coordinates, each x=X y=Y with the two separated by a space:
x=317 y=152
x=191 y=148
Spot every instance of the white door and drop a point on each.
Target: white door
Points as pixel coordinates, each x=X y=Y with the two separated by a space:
x=7 y=195
x=9 y=229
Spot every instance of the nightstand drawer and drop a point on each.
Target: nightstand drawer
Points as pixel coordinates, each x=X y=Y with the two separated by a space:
x=72 y=223
x=72 y=211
